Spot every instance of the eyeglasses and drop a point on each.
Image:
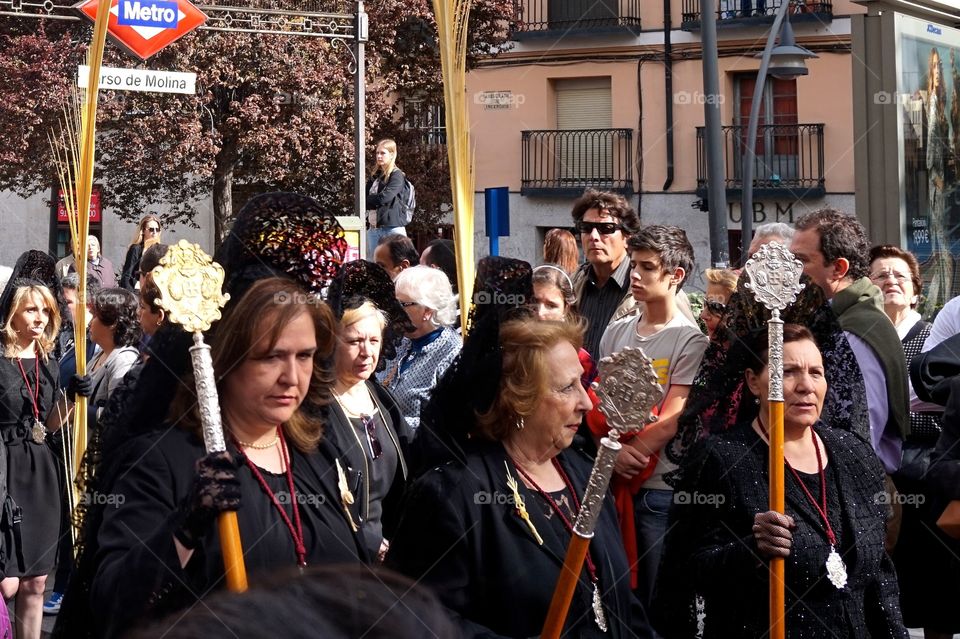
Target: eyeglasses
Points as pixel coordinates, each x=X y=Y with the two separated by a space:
x=370 y=427
x=603 y=228
x=882 y=276
x=153 y=229
x=408 y=304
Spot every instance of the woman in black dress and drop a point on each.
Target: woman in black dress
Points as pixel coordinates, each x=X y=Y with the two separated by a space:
x=488 y=532
x=713 y=580
x=148 y=229
x=159 y=548
x=29 y=382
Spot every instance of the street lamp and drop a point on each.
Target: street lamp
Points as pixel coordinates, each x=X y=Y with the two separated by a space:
x=785 y=61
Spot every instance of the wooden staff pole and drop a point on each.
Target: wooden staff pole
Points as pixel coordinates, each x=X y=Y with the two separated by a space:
x=775 y=281
x=566 y=586
x=777 y=502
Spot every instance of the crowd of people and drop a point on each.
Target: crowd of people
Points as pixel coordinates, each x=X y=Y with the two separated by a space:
x=394 y=475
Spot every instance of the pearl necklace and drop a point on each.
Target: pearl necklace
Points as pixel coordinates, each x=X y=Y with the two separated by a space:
x=275 y=441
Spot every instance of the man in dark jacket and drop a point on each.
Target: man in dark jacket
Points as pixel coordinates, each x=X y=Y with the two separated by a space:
x=834 y=249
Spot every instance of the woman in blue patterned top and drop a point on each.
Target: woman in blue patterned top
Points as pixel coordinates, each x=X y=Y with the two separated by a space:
x=423 y=356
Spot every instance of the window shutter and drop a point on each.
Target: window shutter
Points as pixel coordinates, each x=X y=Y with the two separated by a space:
x=584 y=157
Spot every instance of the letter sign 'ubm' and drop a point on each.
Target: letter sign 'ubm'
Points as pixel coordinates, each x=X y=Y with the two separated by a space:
x=160 y=14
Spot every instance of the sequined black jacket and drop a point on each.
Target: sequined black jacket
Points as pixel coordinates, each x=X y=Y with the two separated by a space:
x=712 y=581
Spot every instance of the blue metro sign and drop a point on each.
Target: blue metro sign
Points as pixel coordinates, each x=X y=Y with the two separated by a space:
x=160 y=14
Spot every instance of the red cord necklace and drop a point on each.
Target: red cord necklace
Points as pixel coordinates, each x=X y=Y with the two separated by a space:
x=296 y=526
x=836 y=570
x=599 y=616
x=38 y=432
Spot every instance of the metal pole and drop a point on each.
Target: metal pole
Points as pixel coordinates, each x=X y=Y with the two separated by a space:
x=359 y=121
x=749 y=150
x=716 y=191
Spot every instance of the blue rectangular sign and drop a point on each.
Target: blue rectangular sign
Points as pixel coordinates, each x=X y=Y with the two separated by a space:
x=161 y=14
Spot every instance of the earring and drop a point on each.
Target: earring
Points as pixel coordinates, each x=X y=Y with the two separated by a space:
x=756 y=400
x=519 y=422
x=159 y=322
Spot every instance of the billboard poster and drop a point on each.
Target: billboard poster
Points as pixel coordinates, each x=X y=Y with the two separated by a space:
x=928 y=98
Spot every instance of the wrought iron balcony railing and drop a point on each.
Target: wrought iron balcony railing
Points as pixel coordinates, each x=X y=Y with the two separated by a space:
x=789 y=160
x=730 y=12
x=553 y=17
x=565 y=163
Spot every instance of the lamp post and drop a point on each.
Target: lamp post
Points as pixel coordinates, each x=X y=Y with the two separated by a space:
x=784 y=61
x=713 y=143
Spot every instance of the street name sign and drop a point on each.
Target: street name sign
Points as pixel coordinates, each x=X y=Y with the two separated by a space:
x=144 y=27
x=140 y=80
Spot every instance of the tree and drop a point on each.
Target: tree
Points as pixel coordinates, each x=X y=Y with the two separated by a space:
x=270 y=112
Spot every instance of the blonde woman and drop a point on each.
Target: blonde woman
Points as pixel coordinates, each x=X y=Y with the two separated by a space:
x=366 y=424
x=384 y=191
x=721 y=283
x=29 y=382
x=148 y=229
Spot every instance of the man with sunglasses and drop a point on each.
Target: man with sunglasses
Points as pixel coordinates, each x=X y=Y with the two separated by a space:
x=605 y=221
x=602 y=285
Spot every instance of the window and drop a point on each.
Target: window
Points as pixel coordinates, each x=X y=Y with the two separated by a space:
x=584 y=104
x=777 y=143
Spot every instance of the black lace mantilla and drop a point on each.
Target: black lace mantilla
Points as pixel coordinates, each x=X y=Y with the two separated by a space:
x=719 y=398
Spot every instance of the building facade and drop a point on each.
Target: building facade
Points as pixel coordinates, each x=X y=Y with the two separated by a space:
x=609 y=95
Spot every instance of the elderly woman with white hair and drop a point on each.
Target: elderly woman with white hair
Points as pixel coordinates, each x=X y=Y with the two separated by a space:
x=424 y=354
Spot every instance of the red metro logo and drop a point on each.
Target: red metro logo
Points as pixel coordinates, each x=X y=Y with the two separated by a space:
x=144 y=27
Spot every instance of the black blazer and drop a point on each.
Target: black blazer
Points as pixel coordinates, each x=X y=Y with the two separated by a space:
x=710 y=572
x=130 y=274
x=339 y=429
x=386 y=201
x=138 y=573
x=461 y=535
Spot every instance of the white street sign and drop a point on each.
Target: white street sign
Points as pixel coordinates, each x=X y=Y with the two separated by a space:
x=141 y=80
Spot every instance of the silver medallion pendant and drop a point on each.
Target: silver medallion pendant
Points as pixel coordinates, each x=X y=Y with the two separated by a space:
x=38 y=432
x=598 y=615
x=836 y=571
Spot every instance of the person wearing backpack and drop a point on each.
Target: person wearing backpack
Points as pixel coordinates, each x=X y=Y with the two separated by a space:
x=390 y=194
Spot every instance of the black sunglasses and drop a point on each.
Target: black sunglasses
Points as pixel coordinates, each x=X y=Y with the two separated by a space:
x=407 y=304
x=370 y=426
x=155 y=229
x=716 y=308
x=603 y=228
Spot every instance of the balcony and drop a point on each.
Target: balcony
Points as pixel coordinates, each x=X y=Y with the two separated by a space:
x=789 y=161
x=551 y=18
x=756 y=12
x=565 y=163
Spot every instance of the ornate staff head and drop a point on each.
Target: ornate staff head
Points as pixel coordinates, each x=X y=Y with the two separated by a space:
x=775 y=281
x=628 y=389
x=190 y=284
x=774 y=276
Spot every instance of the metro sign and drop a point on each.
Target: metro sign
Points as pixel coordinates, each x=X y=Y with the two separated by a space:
x=144 y=27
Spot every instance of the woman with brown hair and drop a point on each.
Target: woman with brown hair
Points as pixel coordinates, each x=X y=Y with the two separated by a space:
x=159 y=548
x=148 y=229
x=488 y=532
x=560 y=248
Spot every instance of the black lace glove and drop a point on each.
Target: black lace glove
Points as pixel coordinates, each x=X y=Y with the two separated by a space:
x=79 y=385
x=215 y=489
